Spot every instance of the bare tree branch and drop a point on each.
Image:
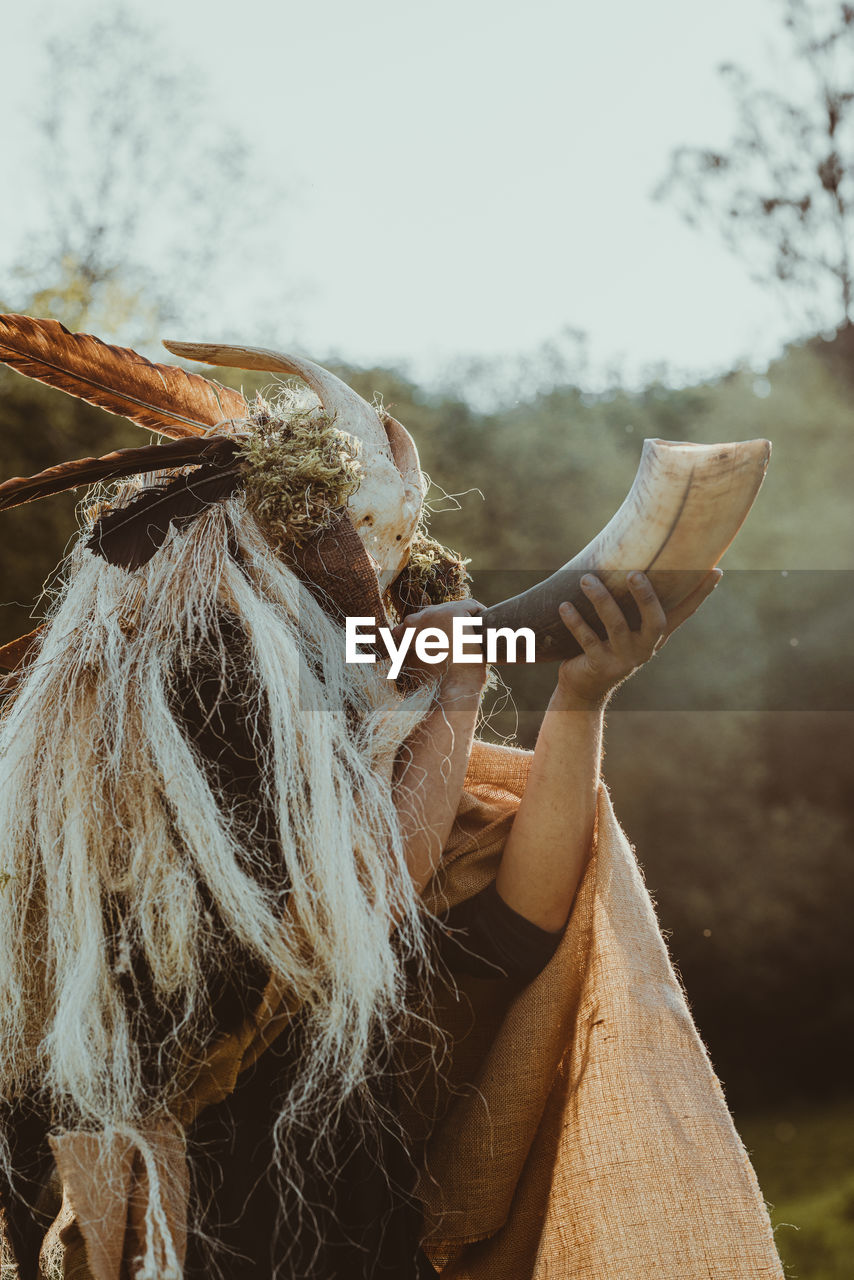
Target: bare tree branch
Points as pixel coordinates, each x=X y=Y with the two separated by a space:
x=144 y=189
x=781 y=194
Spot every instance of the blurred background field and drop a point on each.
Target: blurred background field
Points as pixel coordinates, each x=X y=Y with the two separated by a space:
x=804 y=1157
x=729 y=757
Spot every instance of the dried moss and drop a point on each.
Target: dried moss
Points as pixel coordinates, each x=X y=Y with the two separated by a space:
x=433 y=575
x=300 y=471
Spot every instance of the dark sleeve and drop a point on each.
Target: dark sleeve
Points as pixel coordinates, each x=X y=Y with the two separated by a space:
x=488 y=939
x=217 y=706
x=28 y=1193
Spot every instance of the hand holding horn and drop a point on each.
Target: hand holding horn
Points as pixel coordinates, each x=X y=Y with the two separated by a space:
x=686 y=505
x=589 y=679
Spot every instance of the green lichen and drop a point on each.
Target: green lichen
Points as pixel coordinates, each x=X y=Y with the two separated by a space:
x=300 y=471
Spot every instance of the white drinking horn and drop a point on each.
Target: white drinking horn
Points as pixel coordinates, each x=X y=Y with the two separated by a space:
x=686 y=505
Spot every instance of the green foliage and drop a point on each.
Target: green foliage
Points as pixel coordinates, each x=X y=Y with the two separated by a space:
x=84 y=297
x=804 y=1158
x=729 y=756
x=747 y=853
x=38 y=427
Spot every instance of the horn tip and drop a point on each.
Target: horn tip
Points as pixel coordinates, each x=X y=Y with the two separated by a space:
x=186 y=349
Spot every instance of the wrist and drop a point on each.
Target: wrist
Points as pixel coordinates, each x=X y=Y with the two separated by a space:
x=564 y=699
x=466 y=682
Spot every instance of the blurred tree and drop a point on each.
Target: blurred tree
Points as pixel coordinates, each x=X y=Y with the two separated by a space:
x=146 y=205
x=782 y=194
x=142 y=187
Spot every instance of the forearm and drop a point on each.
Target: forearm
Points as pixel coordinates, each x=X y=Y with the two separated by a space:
x=429 y=776
x=549 y=843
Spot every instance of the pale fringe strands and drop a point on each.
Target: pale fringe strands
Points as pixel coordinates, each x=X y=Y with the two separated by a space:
x=103 y=798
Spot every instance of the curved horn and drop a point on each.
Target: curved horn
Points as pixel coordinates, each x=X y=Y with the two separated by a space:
x=385 y=508
x=686 y=505
x=406 y=459
x=337 y=398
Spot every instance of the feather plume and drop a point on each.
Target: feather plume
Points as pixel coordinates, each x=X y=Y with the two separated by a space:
x=13 y=654
x=193 y=451
x=161 y=397
x=129 y=536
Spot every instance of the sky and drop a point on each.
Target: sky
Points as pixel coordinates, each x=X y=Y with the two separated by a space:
x=463 y=179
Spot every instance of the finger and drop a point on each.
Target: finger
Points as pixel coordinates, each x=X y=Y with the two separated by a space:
x=456 y=608
x=575 y=624
x=692 y=602
x=610 y=613
x=652 y=615
x=415 y=620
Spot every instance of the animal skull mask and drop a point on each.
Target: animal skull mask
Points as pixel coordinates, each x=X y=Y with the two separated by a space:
x=387 y=505
x=385 y=509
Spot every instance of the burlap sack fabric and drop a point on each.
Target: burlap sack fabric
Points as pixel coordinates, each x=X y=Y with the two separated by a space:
x=587 y=1137
x=582 y=1133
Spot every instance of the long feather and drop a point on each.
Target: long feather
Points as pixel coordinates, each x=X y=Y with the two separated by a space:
x=15 y=652
x=113 y=466
x=161 y=397
x=129 y=536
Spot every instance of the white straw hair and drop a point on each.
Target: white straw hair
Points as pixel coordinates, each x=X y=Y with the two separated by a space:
x=116 y=847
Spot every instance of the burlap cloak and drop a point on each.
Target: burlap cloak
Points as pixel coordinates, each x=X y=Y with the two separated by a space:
x=589 y=1138
x=582 y=1133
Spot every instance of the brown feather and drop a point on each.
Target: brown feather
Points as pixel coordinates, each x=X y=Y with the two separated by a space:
x=161 y=397
x=193 y=451
x=15 y=653
x=129 y=536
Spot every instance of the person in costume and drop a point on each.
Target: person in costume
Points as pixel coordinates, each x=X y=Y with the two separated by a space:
x=252 y=893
